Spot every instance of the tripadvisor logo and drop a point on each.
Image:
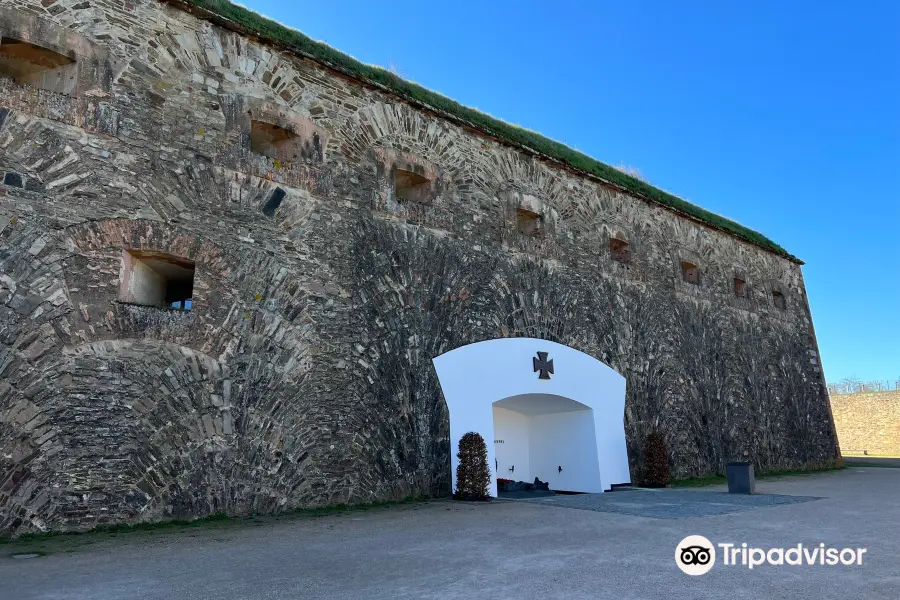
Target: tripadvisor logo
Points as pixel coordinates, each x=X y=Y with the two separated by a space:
x=696 y=555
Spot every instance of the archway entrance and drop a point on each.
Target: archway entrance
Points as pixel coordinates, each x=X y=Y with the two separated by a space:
x=554 y=403
x=546 y=437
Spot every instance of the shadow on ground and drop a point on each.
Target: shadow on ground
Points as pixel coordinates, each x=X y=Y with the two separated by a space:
x=667 y=504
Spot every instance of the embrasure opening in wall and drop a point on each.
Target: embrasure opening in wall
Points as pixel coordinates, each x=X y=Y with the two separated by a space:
x=527 y=222
x=779 y=300
x=274 y=141
x=690 y=273
x=740 y=287
x=412 y=187
x=156 y=279
x=619 y=250
x=36 y=66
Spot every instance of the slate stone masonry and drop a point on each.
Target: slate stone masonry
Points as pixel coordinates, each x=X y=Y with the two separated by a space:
x=302 y=375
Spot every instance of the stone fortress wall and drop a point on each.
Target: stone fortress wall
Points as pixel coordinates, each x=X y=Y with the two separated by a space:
x=327 y=276
x=868 y=422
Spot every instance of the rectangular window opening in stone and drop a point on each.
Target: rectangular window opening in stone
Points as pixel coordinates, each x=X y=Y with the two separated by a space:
x=619 y=250
x=36 y=66
x=275 y=142
x=779 y=300
x=411 y=187
x=690 y=273
x=740 y=287
x=528 y=223
x=156 y=279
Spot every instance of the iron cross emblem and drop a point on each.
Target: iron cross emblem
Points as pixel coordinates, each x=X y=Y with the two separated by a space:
x=543 y=365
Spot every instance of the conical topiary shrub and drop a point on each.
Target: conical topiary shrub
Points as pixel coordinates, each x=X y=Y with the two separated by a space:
x=656 y=461
x=473 y=476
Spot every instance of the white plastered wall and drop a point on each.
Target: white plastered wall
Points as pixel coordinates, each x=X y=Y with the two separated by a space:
x=565 y=439
x=476 y=376
x=510 y=443
x=139 y=283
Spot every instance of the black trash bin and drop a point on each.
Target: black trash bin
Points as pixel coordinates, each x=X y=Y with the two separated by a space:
x=741 y=479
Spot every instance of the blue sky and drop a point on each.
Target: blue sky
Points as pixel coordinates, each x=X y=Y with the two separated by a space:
x=784 y=116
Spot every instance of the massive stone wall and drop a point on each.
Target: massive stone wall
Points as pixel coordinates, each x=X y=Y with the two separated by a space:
x=302 y=375
x=868 y=422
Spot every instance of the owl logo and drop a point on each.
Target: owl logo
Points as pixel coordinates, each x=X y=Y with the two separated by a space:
x=695 y=555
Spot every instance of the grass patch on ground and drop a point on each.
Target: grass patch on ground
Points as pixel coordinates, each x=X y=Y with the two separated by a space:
x=54 y=541
x=861 y=455
x=125 y=528
x=721 y=479
x=886 y=462
x=246 y=21
x=700 y=481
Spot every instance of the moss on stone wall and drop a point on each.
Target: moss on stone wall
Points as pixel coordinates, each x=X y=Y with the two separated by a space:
x=249 y=22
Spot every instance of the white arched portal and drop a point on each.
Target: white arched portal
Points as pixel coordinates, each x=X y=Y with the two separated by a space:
x=557 y=406
x=548 y=437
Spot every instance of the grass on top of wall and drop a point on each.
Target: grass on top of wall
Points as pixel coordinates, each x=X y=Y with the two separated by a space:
x=246 y=21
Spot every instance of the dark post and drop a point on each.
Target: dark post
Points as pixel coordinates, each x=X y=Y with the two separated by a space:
x=741 y=479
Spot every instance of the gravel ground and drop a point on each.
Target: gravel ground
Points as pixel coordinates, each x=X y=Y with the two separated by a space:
x=506 y=549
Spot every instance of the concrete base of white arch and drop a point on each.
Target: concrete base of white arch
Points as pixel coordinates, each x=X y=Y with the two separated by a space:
x=565 y=427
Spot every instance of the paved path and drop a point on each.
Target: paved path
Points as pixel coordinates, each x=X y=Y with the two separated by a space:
x=516 y=550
